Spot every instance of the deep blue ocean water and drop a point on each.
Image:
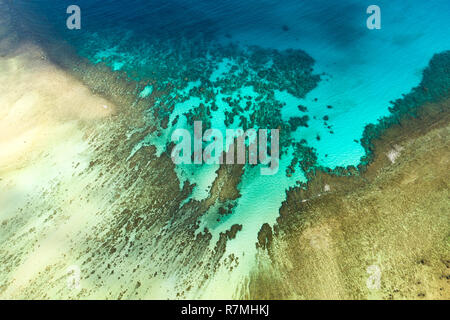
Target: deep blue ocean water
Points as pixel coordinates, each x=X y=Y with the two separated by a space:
x=360 y=70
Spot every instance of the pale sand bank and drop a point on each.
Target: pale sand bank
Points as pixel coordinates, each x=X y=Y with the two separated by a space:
x=43 y=121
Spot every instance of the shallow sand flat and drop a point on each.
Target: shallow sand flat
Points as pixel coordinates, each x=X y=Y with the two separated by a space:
x=43 y=147
x=396 y=220
x=39 y=104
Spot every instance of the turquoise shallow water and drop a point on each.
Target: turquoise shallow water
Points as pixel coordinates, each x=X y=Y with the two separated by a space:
x=202 y=44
